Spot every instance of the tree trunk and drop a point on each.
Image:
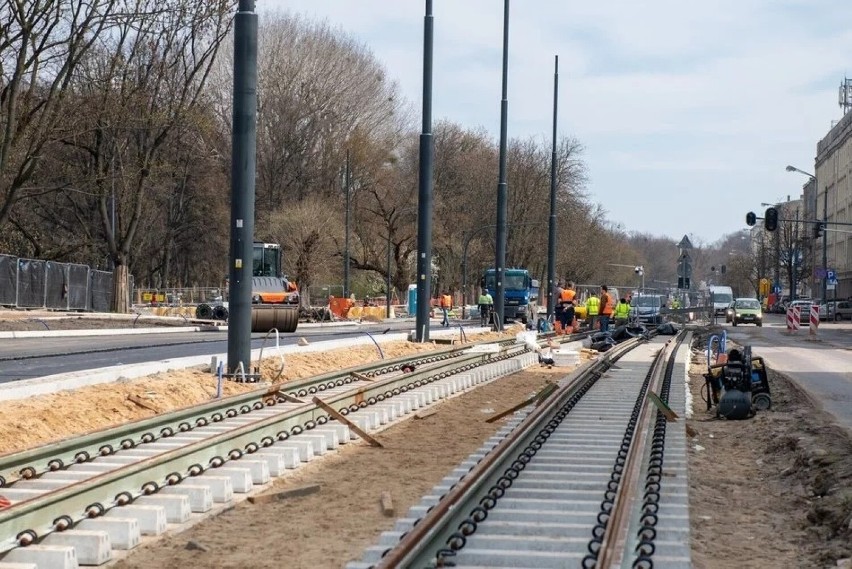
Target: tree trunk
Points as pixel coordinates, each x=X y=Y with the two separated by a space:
x=120 y=289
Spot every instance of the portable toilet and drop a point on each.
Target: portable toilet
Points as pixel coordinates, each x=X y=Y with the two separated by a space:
x=412 y=299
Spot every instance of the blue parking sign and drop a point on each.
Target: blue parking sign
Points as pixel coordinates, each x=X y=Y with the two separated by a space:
x=831 y=276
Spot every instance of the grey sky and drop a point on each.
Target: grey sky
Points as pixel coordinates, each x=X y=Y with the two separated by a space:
x=689 y=111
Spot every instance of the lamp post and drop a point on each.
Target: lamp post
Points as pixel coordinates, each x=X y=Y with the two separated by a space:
x=824 y=232
x=502 y=184
x=347 y=189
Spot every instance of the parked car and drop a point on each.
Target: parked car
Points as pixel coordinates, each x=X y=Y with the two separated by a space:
x=836 y=310
x=747 y=311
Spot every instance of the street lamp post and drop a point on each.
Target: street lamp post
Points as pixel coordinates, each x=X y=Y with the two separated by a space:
x=346 y=189
x=824 y=233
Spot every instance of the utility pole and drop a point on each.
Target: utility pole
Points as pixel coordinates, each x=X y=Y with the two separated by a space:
x=347 y=184
x=794 y=258
x=502 y=189
x=551 y=237
x=825 y=248
x=424 y=192
x=243 y=158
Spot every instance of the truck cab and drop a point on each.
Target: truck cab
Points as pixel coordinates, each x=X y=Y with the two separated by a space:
x=521 y=293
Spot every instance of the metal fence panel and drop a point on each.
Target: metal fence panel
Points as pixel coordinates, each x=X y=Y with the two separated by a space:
x=56 y=285
x=78 y=287
x=31 y=281
x=101 y=291
x=8 y=279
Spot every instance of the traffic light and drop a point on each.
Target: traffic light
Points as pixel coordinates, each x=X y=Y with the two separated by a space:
x=751 y=219
x=818 y=229
x=770 y=219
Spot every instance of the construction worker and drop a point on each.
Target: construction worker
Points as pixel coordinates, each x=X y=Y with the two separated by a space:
x=486 y=303
x=446 y=305
x=622 y=312
x=557 y=302
x=606 y=308
x=567 y=301
x=593 y=308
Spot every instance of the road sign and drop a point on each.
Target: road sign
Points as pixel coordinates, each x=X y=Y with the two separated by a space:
x=685 y=243
x=820 y=272
x=831 y=277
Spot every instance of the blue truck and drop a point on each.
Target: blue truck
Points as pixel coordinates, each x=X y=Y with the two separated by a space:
x=521 y=293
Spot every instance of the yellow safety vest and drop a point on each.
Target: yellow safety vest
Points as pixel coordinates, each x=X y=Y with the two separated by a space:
x=593 y=305
x=622 y=310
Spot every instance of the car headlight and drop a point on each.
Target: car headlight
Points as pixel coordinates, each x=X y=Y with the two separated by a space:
x=255 y=299
x=758 y=316
x=738 y=315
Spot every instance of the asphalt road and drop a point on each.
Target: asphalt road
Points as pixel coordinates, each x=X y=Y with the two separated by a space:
x=37 y=357
x=821 y=366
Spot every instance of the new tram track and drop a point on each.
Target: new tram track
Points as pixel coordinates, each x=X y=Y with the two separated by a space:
x=591 y=477
x=190 y=458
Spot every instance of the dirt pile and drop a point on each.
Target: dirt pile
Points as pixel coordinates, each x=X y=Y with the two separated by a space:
x=772 y=491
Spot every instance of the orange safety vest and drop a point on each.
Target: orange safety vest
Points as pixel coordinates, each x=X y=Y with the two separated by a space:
x=606 y=304
x=446 y=301
x=568 y=295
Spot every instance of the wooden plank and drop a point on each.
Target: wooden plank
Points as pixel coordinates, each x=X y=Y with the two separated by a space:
x=142 y=403
x=542 y=394
x=342 y=418
x=387 y=504
x=425 y=413
x=664 y=409
x=289 y=398
x=361 y=376
x=284 y=494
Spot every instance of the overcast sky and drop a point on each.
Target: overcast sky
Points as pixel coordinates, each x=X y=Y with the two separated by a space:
x=689 y=111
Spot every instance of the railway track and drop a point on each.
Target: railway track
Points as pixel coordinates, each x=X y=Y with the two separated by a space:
x=594 y=476
x=77 y=500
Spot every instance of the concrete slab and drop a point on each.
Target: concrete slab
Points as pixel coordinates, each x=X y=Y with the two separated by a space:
x=151 y=519
x=176 y=506
x=4 y=565
x=92 y=547
x=220 y=486
x=52 y=556
x=240 y=477
x=305 y=448
x=200 y=496
x=123 y=532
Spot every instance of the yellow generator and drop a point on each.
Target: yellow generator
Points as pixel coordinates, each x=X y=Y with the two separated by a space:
x=274 y=298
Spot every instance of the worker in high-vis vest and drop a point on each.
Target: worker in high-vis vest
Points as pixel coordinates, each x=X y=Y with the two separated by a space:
x=446 y=304
x=607 y=306
x=486 y=303
x=593 y=308
x=622 y=312
x=567 y=302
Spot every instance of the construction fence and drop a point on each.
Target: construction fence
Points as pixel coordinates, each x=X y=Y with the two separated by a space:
x=33 y=283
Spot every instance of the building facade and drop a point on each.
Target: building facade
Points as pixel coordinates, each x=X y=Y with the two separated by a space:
x=834 y=197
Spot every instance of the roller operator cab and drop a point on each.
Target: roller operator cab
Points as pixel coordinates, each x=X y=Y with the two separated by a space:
x=274 y=298
x=521 y=293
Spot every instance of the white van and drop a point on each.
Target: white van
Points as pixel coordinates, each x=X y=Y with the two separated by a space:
x=721 y=297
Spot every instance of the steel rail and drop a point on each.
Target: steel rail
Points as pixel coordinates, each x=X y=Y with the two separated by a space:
x=30 y=520
x=613 y=542
x=57 y=456
x=439 y=526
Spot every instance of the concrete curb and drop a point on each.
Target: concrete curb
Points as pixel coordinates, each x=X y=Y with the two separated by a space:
x=18 y=334
x=59 y=382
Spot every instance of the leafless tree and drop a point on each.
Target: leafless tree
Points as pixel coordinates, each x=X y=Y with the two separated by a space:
x=42 y=42
x=140 y=85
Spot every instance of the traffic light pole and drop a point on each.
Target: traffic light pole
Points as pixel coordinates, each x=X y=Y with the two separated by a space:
x=825 y=250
